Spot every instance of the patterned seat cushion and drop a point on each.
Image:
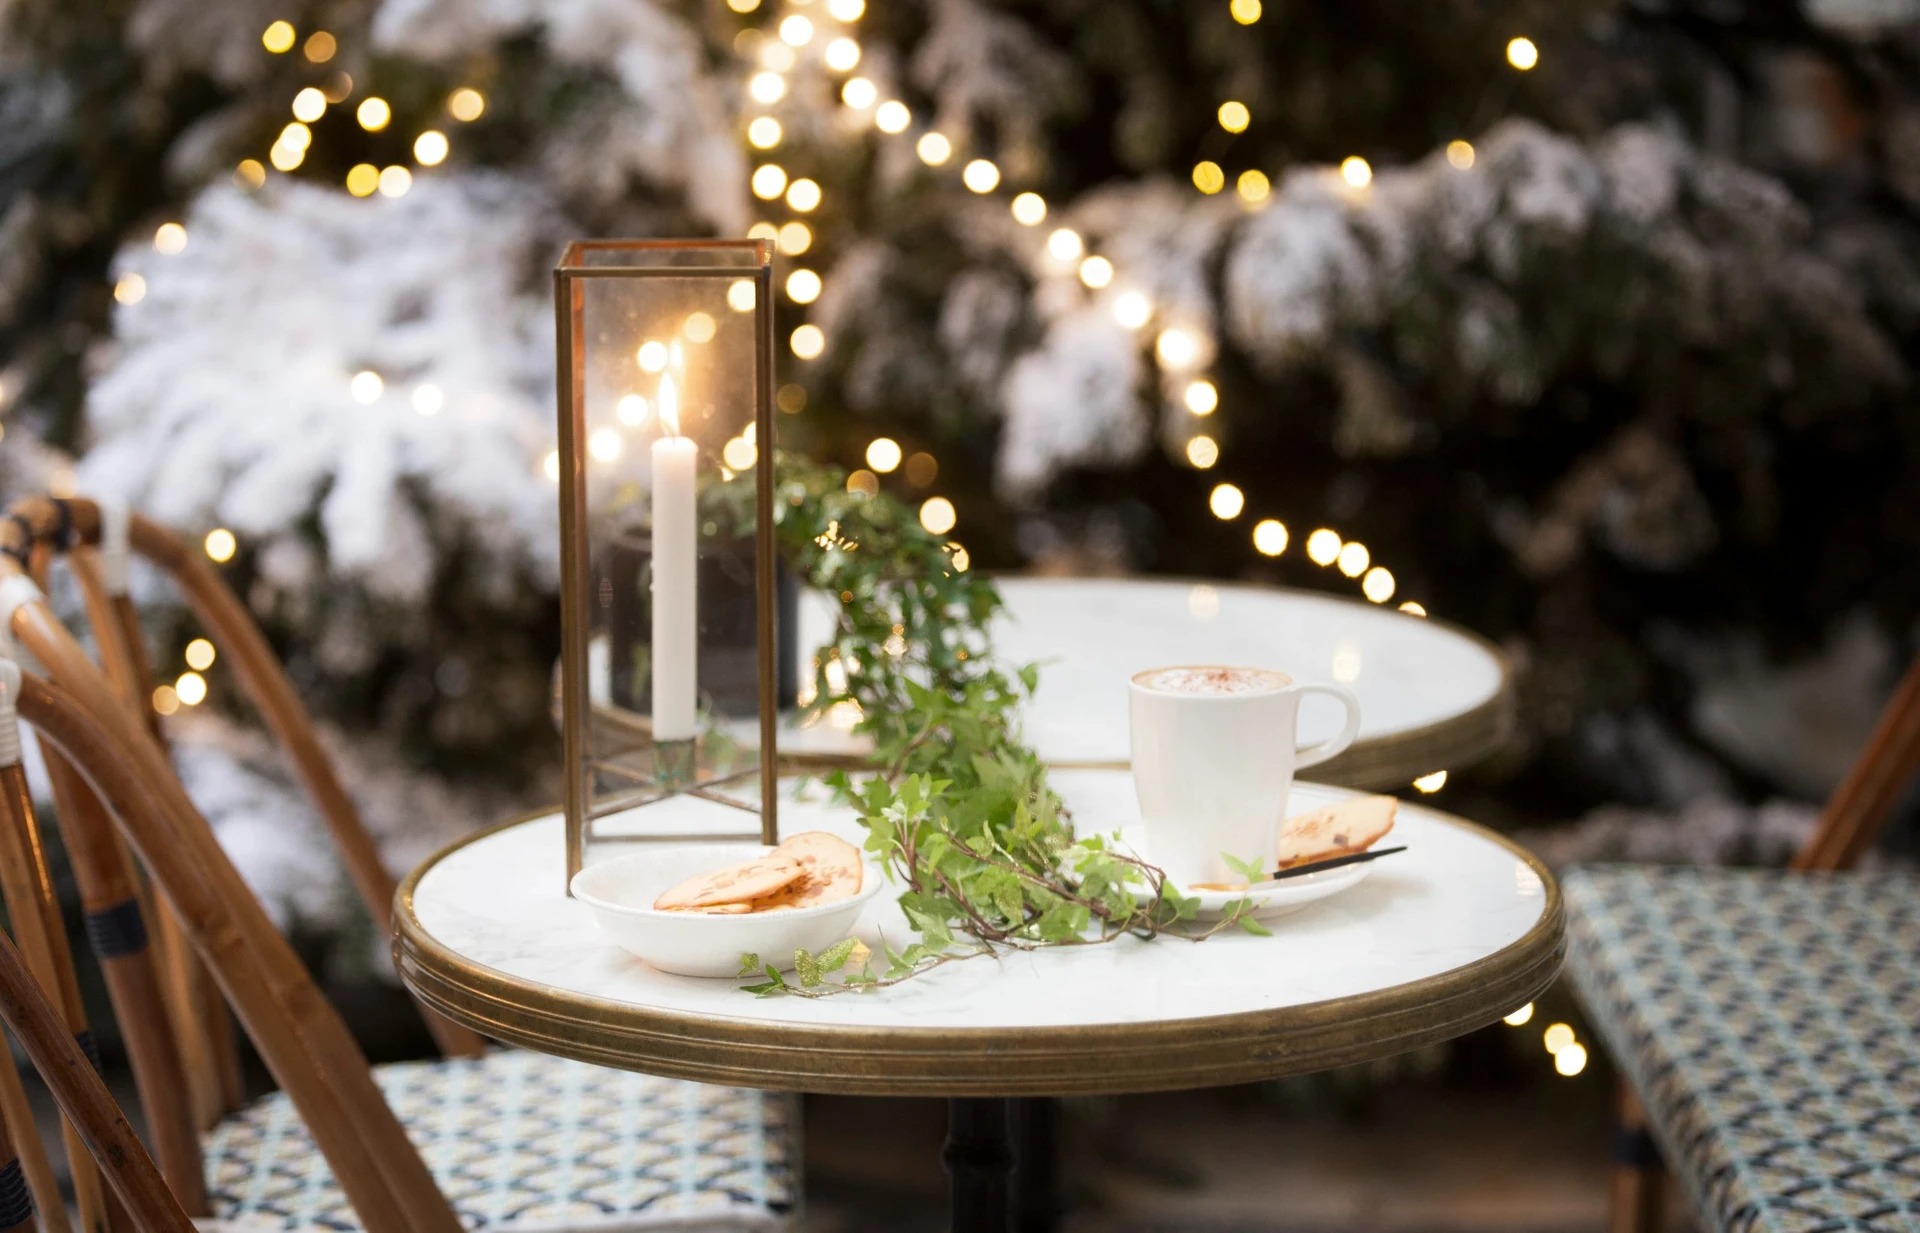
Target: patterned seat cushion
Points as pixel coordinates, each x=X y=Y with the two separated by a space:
x=525 y=1143
x=1770 y=1022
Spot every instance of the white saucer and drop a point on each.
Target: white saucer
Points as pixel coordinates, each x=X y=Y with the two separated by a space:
x=1271 y=899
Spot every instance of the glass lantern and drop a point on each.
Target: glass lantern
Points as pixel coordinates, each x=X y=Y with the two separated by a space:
x=669 y=674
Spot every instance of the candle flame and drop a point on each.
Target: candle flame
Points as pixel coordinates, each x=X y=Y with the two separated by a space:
x=668 y=405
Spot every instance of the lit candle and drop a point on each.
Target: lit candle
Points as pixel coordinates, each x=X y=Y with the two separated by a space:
x=675 y=646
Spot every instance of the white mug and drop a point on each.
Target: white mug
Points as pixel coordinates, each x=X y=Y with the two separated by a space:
x=1212 y=768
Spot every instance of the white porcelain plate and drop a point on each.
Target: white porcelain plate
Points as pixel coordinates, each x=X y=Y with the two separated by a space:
x=1272 y=899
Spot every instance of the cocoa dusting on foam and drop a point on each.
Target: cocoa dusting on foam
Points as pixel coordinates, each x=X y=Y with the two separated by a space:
x=1215 y=680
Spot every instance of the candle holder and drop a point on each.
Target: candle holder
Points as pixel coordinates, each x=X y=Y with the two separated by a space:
x=669 y=668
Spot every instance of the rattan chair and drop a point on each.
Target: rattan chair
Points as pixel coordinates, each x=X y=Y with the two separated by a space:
x=514 y=1139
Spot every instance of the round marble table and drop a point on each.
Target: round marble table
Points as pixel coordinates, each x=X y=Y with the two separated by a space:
x=1453 y=934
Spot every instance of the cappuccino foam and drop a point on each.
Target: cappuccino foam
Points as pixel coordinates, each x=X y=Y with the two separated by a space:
x=1214 y=681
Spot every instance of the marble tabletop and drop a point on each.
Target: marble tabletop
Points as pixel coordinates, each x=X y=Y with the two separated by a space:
x=1453 y=934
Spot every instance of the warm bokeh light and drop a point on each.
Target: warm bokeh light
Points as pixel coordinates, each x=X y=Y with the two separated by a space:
x=763 y=230
x=1323 y=547
x=1571 y=1060
x=430 y=148
x=892 y=117
x=794 y=238
x=1234 y=116
x=1177 y=348
x=1377 y=585
x=1521 y=1017
x=1253 y=186
x=278 y=37
x=604 y=444
x=220 y=545
x=337 y=87
x=937 y=515
x=796 y=31
x=286 y=158
x=1096 y=272
x=1226 y=501
x=1557 y=1037
x=466 y=104
x=739 y=454
x=1202 y=398
x=842 y=54
x=1029 y=209
x=1208 y=178
x=651 y=355
x=803 y=286
x=767 y=87
x=366 y=387
x=1270 y=537
x=363 y=179
x=1065 y=245
x=395 y=181
x=803 y=195
x=165 y=701
x=846 y=10
x=130 y=289
x=1460 y=154
x=1413 y=609
x=883 y=454
x=1246 y=12
x=550 y=466
x=863 y=483
x=1203 y=452
x=922 y=469
x=319 y=47
x=933 y=148
x=250 y=174
x=859 y=93
x=1132 y=309
x=1354 y=558
x=1431 y=782
x=743 y=6
x=808 y=342
x=741 y=295
x=373 y=113
x=427 y=398
x=191 y=688
x=1356 y=171
x=769 y=181
x=1522 y=54
x=763 y=132
x=631 y=410
x=981 y=175
x=169 y=238
x=200 y=654
x=309 y=105
x=295 y=136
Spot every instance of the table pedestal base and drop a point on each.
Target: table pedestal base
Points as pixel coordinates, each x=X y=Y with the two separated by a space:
x=979 y=1160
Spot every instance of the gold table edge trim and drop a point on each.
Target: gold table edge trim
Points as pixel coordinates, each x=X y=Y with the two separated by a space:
x=918 y=1061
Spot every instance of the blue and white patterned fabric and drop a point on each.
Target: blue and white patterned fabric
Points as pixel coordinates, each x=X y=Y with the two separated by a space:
x=525 y=1143
x=1770 y=1023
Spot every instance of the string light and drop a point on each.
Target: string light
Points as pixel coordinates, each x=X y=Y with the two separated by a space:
x=803 y=286
x=131 y=289
x=200 y=654
x=1460 y=154
x=363 y=179
x=1557 y=1037
x=1377 y=585
x=1571 y=1060
x=651 y=356
x=1253 y=186
x=395 y=181
x=842 y=54
x=1246 y=12
x=1096 y=272
x=250 y=174
x=1522 y=54
x=922 y=469
x=373 y=113
x=165 y=701
x=741 y=296
x=859 y=94
x=1356 y=171
x=743 y=6
x=699 y=327
x=1234 y=116
x=1029 y=209
x=220 y=545
x=551 y=466
x=1353 y=559
x=1176 y=348
x=883 y=454
x=1270 y=537
x=803 y=195
x=794 y=238
x=892 y=117
x=169 y=239
x=430 y=148
x=366 y=387
x=937 y=515
x=1413 y=609
x=933 y=148
x=796 y=31
x=427 y=399
x=1226 y=502
x=1203 y=452
x=769 y=181
x=763 y=230
x=981 y=175
x=337 y=87
x=466 y=104
x=1323 y=546
x=1208 y=178
x=763 y=133
x=319 y=47
x=1132 y=309
x=278 y=37
x=1521 y=1017
x=863 y=483
x=808 y=342
x=286 y=158
x=309 y=105
x=767 y=87
x=295 y=136
x=191 y=688
x=847 y=10
x=739 y=454
x=604 y=444
x=1065 y=244
x=1431 y=782
x=1202 y=398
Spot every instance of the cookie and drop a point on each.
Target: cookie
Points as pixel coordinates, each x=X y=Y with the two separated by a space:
x=832 y=872
x=1350 y=826
x=740 y=883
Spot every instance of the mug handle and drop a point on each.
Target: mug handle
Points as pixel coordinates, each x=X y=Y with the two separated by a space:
x=1314 y=755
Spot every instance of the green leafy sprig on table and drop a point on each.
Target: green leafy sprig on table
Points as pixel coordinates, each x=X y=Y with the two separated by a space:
x=957 y=806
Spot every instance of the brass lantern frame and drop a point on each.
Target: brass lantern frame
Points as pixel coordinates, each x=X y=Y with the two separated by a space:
x=580 y=263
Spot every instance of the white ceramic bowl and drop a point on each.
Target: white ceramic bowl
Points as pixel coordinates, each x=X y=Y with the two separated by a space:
x=620 y=892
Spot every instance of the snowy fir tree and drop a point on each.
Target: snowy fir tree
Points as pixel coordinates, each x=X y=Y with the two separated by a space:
x=1589 y=326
